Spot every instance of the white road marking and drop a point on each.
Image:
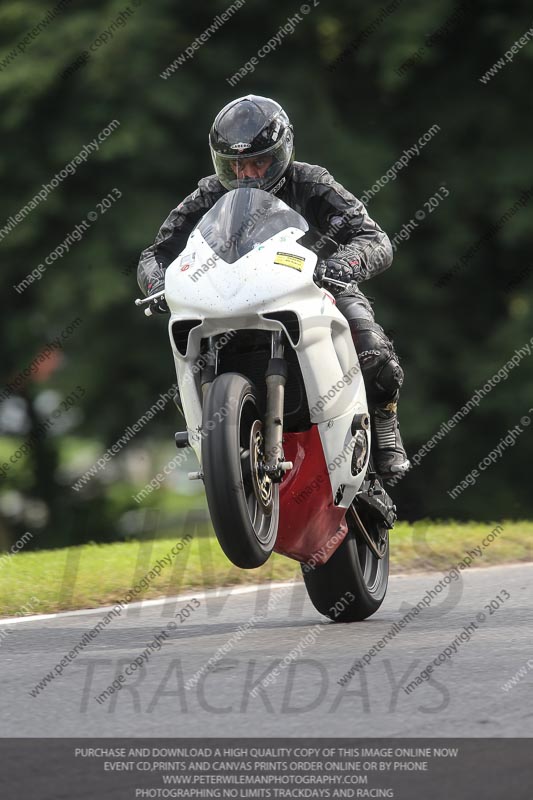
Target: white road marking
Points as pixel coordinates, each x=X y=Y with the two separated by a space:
x=235 y=590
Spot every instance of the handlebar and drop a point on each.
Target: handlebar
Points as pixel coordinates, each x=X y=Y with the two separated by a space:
x=143 y=301
x=341 y=284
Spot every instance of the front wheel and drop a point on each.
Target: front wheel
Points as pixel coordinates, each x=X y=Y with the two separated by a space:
x=243 y=502
x=352 y=584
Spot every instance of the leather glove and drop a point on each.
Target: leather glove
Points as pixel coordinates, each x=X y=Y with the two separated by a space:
x=337 y=269
x=158 y=306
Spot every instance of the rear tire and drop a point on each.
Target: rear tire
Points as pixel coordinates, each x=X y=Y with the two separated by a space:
x=352 y=584
x=243 y=503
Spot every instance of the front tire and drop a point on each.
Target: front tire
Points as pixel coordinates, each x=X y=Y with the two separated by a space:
x=352 y=584
x=243 y=502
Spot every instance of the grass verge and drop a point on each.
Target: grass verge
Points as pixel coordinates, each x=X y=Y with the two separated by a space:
x=100 y=574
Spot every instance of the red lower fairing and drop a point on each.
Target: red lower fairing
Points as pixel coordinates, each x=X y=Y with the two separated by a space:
x=311 y=527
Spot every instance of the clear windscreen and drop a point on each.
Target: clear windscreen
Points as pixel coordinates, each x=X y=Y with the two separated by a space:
x=244 y=218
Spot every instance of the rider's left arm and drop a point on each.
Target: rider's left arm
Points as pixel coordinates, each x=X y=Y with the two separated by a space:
x=363 y=245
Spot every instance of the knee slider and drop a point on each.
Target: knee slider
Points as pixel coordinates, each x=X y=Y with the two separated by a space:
x=390 y=377
x=381 y=369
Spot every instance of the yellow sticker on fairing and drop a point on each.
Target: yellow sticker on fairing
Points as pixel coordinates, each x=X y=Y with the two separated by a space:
x=288 y=260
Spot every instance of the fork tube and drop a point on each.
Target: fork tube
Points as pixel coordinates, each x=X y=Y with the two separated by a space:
x=209 y=371
x=276 y=377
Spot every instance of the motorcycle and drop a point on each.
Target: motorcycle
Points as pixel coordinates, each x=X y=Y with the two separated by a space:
x=275 y=405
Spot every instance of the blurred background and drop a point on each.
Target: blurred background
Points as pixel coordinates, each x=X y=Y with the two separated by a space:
x=362 y=84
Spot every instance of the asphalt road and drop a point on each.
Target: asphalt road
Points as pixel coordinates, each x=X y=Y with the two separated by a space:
x=463 y=698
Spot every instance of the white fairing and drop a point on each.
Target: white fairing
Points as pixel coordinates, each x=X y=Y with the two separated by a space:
x=230 y=296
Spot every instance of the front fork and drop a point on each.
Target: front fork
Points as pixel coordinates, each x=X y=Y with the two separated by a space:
x=272 y=464
x=276 y=377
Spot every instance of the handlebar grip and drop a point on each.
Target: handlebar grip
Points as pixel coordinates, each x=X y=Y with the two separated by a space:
x=142 y=301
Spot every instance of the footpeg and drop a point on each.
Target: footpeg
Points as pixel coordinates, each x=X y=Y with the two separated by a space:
x=382 y=507
x=196 y=476
x=360 y=422
x=375 y=487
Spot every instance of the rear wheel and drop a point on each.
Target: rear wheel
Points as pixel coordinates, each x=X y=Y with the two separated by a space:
x=243 y=501
x=352 y=584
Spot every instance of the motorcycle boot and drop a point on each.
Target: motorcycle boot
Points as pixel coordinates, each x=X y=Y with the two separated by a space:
x=388 y=451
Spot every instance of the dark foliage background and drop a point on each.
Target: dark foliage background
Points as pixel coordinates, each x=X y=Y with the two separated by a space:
x=355 y=110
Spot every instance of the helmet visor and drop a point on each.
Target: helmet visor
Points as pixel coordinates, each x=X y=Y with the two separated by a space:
x=261 y=170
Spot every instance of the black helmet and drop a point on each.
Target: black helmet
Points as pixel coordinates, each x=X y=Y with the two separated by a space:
x=251 y=127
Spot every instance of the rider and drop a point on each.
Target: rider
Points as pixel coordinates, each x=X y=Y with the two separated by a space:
x=251 y=143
